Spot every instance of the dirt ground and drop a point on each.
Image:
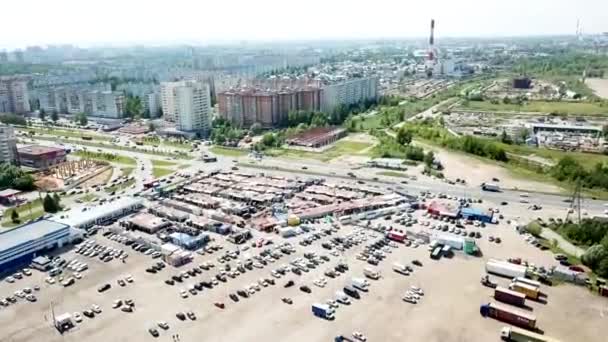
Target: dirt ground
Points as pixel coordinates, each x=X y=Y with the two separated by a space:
x=449 y=311
x=599 y=86
x=475 y=171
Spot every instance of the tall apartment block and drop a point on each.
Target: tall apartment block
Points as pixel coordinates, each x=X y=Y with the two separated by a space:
x=348 y=93
x=8 y=145
x=167 y=95
x=193 y=107
x=93 y=101
x=14 y=95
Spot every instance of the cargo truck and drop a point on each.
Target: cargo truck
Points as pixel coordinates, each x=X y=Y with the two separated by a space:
x=370 y=273
x=510 y=315
x=351 y=291
x=504 y=295
x=527 y=281
x=528 y=290
x=323 y=311
x=519 y=335
x=505 y=269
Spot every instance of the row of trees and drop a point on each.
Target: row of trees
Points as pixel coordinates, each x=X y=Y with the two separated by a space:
x=390 y=147
x=224 y=133
x=569 y=169
x=592 y=233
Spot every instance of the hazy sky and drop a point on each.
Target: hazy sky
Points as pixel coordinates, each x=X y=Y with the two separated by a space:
x=86 y=22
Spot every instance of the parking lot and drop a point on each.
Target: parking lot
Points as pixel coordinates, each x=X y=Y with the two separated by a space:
x=449 y=310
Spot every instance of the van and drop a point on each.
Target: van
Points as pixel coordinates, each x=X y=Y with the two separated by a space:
x=360 y=284
x=399 y=268
x=342 y=298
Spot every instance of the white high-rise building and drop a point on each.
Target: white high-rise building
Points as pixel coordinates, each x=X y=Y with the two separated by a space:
x=167 y=95
x=8 y=145
x=193 y=107
x=14 y=95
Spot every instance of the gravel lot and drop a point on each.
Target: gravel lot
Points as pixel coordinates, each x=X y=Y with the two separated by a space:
x=449 y=311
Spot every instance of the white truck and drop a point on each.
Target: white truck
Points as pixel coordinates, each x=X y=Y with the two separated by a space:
x=505 y=269
x=342 y=298
x=399 y=268
x=371 y=273
x=520 y=335
x=360 y=284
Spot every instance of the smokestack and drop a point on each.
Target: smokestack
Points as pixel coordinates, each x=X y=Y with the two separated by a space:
x=432 y=38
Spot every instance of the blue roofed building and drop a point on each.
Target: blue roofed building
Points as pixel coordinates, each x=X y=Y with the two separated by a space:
x=188 y=241
x=475 y=214
x=20 y=245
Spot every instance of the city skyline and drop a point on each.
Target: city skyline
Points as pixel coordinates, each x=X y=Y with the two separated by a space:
x=191 y=22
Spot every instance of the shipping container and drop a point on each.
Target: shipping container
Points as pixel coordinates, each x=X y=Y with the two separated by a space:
x=456 y=242
x=505 y=295
x=520 y=335
x=530 y=291
x=508 y=314
x=527 y=282
x=505 y=269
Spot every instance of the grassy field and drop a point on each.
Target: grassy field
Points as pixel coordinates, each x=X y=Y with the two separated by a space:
x=162 y=163
x=392 y=174
x=587 y=160
x=368 y=122
x=87 y=198
x=158 y=172
x=126 y=171
x=560 y=108
x=113 y=158
x=339 y=149
x=228 y=152
x=28 y=211
x=67 y=133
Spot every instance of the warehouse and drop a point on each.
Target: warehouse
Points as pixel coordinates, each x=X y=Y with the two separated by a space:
x=22 y=244
x=474 y=214
x=87 y=217
x=147 y=223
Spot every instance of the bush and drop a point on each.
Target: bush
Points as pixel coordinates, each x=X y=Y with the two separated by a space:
x=593 y=256
x=534 y=228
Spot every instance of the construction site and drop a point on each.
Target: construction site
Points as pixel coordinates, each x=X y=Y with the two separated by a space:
x=70 y=174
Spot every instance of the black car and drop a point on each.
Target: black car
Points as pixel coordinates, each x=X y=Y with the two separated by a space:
x=503 y=203
x=242 y=293
x=198 y=286
x=289 y=284
x=181 y=316
x=151 y=270
x=234 y=297
x=169 y=282
x=305 y=289
x=104 y=288
x=88 y=313
x=417 y=263
x=191 y=315
x=207 y=284
x=177 y=278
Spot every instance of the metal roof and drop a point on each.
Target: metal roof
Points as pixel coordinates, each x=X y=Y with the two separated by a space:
x=75 y=217
x=29 y=232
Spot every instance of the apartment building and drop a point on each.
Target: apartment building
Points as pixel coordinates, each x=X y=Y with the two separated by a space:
x=167 y=95
x=8 y=145
x=193 y=107
x=348 y=93
x=14 y=95
x=94 y=101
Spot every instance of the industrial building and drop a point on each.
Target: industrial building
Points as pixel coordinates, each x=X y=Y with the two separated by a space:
x=8 y=145
x=147 y=223
x=20 y=245
x=41 y=157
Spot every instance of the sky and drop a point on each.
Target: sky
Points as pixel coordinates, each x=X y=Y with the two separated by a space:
x=96 y=22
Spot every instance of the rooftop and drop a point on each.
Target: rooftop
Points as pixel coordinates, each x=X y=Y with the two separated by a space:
x=76 y=216
x=28 y=232
x=39 y=149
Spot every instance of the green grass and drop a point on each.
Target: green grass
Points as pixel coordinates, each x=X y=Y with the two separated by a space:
x=162 y=163
x=587 y=160
x=119 y=187
x=103 y=156
x=67 y=133
x=28 y=211
x=560 y=108
x=392 y=174
x=369 y=122
x=228 y=152
x=158 y=172
x=88 y=198
x=339 y=149
x=126 y=171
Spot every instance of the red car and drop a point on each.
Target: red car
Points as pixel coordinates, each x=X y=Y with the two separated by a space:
x=577 y=269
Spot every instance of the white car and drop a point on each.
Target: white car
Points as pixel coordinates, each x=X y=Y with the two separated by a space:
x=10 y=280
x=359 y=336
x=96 y=309
x=77 y=317
x=77 y=275
x=183 y=294
x=49 y=280
x=129 y=278
x=417 y=290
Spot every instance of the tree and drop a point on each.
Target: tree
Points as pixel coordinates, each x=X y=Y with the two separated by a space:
x=54 y=116
x=534 y=228
x=49 y=205
x=429 y=158
x=81 y=119
x=151 y=126
x=57 y=201
x=593 y=256
x=133 y=107
x=15 y=216
x=42 y=114
x=404 y=136
x=256 y=128
x=504 y=137
x=524 y=134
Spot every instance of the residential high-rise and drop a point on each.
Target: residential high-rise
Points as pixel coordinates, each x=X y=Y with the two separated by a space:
x=348 y=93
x=8 y=145
x=152 y=104
x=14 y=95
x=193 y=107
x=167 y=95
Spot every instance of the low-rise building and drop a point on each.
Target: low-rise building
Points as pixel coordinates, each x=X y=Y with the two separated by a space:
x=86 y=216
x=41 y=157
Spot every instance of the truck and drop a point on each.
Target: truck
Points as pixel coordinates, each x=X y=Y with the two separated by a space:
x=351 y=291
x=505 y=295
x=490 y=187
x=436 y=254
x=520 y=335
x=360 y=284
x=505 y=269
x=399 y=268
x=528 y=290
x=527 y=281
x=510 y=315
x=323 y=311
x=371 y=273
x=342 y=298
